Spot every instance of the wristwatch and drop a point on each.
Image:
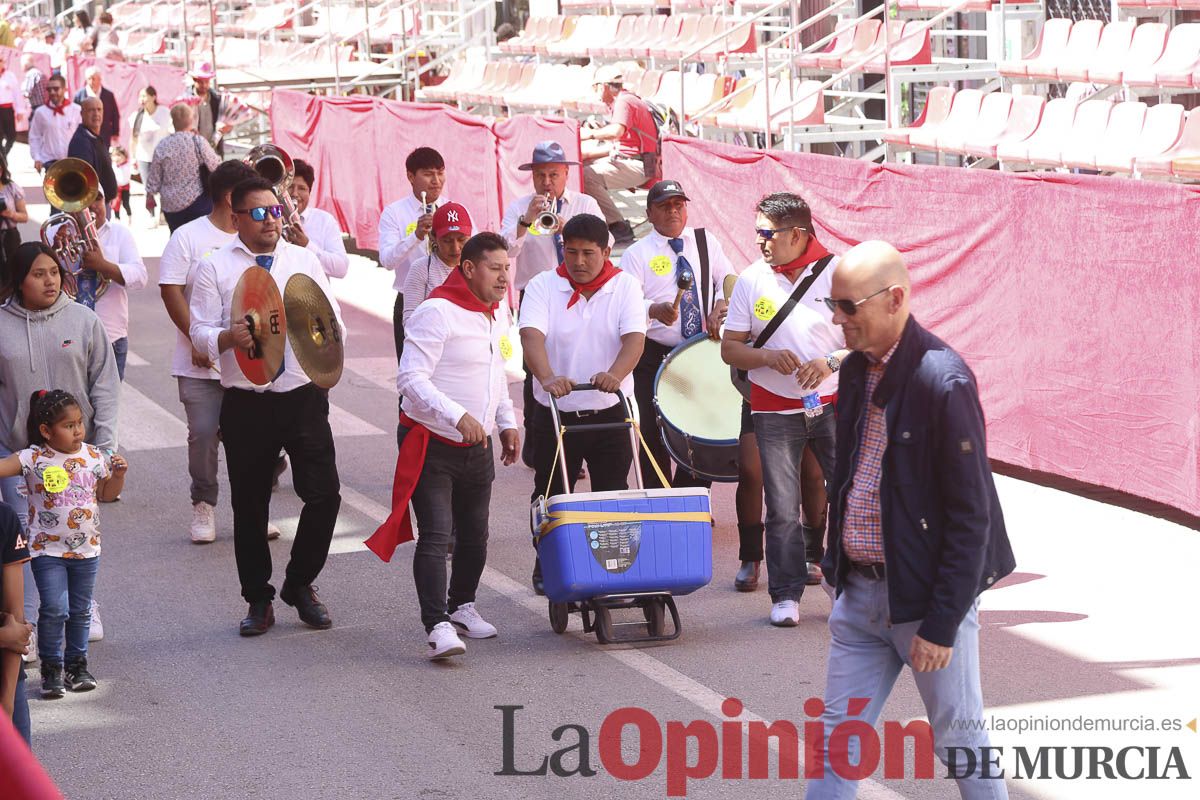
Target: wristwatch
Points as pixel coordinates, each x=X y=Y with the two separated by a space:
x=521 y=223
x=833 y=362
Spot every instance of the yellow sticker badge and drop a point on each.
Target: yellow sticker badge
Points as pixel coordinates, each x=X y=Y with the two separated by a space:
x=660 y=265
x=764 y=308
x=412 y=226
x=506 y=349
x=55 y=479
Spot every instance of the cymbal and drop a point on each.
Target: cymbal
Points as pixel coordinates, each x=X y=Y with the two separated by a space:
x=314 y=331
x=256 y=299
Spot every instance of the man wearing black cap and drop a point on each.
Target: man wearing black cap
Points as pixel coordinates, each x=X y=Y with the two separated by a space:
x=657 y=261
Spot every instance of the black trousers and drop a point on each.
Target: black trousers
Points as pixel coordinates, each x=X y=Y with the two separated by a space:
x=607 y=452
x=398 y=326
x=643 y=392
x=451 y=500
x=255 y=427
x=8 y=129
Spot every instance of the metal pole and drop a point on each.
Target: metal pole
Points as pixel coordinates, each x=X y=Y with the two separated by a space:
x=186 y=65
x=212 y=35
x=367 y=32
x=333 y=47
x=888 y=115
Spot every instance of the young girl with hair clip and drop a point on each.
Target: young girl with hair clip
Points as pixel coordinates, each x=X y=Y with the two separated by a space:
x=65 y=479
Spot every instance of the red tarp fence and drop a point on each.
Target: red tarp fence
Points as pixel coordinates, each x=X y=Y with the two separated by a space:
x=1074 y=298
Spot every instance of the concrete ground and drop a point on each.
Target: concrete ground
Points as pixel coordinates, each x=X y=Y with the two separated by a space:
x=1094 y=629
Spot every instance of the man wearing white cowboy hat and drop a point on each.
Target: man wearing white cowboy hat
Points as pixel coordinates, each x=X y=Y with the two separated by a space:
x=211 y=107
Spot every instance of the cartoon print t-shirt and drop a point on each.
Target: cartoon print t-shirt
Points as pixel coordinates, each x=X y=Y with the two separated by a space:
x=64 y=518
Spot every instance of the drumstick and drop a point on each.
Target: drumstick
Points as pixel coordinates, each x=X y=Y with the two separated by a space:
x=727 y=286
x=684 y=282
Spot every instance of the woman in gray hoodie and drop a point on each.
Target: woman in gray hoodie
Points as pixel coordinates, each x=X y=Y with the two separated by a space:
x=48 y=341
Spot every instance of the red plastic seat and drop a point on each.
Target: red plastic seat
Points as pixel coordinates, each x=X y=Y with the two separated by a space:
x=1050 y=47
x=993 y=117
x=1087 y=132
x=1149 y=40
x=1120 y=145
x=623 y=27
x=1186 y=145
x=1179 y=60
x=809 y=108
x=937 y=107
x=864 y=39
x=1084 y=39
x=910 y=45
x=1052 y=130
x=1113 y=48
x=740 y=40
x=964 y=112
x=705 y=28
x=631 y=28
x=840 y=44
x=1023 y=119
x=685 y=33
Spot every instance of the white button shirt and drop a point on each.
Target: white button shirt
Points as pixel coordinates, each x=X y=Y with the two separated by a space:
x=117 y=242
x=50 y=133
x=325 y=241
x=398 y=242
x=533 y=254
x=585 y=338
x=10 y=88
x=216 y=278
x=188 y=246
x=808 y=331
x=652 y=263
x=453 y=364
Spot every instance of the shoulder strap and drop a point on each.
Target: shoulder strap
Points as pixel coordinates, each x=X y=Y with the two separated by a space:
x=705 y=278
x=792 y=300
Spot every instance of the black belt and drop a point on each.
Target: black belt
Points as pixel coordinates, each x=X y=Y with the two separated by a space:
x=873 y=572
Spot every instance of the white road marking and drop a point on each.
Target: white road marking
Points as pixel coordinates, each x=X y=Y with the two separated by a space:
x=132 y=359
x=707 y=700
x=379 y=370
x=343 y=423
x=145 y=425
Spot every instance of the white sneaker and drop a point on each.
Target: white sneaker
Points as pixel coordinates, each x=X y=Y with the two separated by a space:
x=32 y=655
x=473 y=626
x=96 y=631
x=272 y=531
x=785 y=614
x=444 y=642
x=204 y=523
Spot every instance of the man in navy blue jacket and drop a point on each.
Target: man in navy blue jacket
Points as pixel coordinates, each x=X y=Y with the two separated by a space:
x=915 y=527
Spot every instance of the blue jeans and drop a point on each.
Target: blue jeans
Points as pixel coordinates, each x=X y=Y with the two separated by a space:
x=121 y=351
x=781 y=441
x=20 y=716
x=66 y=586
x=866 y=655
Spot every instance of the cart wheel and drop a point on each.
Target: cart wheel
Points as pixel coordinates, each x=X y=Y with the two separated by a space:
x=604 y=629
x=560 y=614
x=655 y=612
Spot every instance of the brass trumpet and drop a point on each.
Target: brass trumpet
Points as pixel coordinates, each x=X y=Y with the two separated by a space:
x=547 y=221
x=274 y=164
x=71 y=186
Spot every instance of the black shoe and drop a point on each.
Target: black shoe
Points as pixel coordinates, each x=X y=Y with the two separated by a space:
x=78 y=678
x=312 y=611
x=52 y=681
x=814 y=574
x=622 y=233
x=538 y=587
x=260 y=617
x=747 y=577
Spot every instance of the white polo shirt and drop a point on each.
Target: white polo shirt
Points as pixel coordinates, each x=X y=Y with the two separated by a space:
x=212 y=294
x=325 y=241
x=808 y=331
x=189 y=244
x=651 y=261
x=119 y=247
x=585 y=338
x=453 y=364
x=533 y=253
x=398 y=242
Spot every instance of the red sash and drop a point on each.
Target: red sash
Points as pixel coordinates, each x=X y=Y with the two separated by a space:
x=397 y=529
x=607 y=273
x=765 y=400
x=814 y=252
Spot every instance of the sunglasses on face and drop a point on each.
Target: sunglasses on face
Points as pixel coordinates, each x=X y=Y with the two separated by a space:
x=850 y=307
x=259 y=213
x=767 y=234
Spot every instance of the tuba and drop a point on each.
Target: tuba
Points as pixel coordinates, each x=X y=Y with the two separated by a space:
x=273 y=163
x=71 y=185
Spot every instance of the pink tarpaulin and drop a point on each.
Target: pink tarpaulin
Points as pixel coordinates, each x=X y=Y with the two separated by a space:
x=11 y=58
x=357 y=146
x=1073 y=297
x=126 y=81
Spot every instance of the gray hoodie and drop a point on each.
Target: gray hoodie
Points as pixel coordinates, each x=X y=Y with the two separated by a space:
x=61 y=347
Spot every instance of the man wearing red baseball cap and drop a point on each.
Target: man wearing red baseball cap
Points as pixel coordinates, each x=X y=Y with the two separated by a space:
x=451 y=230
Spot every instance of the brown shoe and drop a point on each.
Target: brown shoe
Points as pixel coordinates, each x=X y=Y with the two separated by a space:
x=260 y=617
x=747 y=577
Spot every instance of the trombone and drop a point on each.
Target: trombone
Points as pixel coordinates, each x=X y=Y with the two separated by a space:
x=71 y=186
x=273 y=163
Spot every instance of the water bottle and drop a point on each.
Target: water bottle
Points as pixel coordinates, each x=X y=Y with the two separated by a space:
x=812 y=404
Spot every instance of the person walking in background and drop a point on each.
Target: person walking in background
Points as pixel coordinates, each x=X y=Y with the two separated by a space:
x=148 y=126
x=12 y=212
x=10 y=93
x=93 y=86
x=88 y=144
x=179 y=171
x=53 y=125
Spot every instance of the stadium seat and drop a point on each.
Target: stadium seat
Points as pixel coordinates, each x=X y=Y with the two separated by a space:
x=1023 y=119
x=623 y=28
x=705 y=27
x=555 y=35
x=964 y=112
x=1162 y=129
x=733 y=101
x=516 y=45
x=838 y=46
x=1078 y=149
x=661 y=29
x=739 y=40
x=865 y=35
x=1117 y=150
x=937 y=106
x=1082 y=43
x=910 y=45
x=993 y=117
x=1050 y=47
x=1178 y=62
x=1149 y=40
x=632 y=31
x=1187 y=145
x=1112 y=48
x=1052 y=130
x=809 y=106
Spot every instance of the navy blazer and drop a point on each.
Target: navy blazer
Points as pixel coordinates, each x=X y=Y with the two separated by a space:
x=94 y=150
x=944 y=540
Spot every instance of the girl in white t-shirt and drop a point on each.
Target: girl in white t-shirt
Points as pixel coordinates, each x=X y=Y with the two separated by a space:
x=64 y=480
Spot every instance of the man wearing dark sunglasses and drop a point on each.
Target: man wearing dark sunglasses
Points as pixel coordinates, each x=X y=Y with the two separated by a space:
x=782 y=335
x=916 y=532
x=257 y=422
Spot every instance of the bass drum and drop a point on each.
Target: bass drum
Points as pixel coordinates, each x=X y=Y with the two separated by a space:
x=699 y=410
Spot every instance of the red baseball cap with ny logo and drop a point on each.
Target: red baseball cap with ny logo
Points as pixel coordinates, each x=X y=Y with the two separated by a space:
x=451 y=218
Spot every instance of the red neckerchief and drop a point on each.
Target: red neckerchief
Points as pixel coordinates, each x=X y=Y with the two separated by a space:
x=814 y=252
x=455 y=290
x=397 y=529
x=607 y=273
x=59 y=110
